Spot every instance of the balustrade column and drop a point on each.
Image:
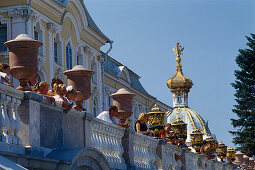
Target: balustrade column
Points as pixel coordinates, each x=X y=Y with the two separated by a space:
x=12 y=121
x=17 y=139
x=5 y=123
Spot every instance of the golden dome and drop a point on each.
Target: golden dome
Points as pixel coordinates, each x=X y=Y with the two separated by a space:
x=179 y=82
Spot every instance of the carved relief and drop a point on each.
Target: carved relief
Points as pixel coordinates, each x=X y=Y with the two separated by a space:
x=52 y=27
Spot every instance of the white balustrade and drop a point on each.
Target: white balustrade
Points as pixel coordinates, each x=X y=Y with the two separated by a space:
x=145 y=151
x=171 y=151
x=191 y=160
x=219 y=165
x=106 y=137
x=10 y=99
x=208 y=163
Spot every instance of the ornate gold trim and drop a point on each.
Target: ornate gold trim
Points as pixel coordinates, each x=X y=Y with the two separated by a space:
x=201 y=121
x=169 y=112
x=191 y=118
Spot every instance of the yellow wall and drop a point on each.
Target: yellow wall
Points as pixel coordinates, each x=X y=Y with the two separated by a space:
x=4 y=3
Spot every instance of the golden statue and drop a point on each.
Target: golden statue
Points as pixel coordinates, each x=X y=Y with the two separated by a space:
x=178 y=50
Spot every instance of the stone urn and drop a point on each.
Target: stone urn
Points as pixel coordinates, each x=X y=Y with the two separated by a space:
x=196 y=139
x=156 y=121
x=251 y=163
x=239 y=158
x=180 y=130
x=230 y=155
x=23 y=59
x=221 y=151
x=80 y=79
x=245 y=161
x=123 y=99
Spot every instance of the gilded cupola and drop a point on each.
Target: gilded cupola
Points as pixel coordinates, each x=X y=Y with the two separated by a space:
x=179 y=82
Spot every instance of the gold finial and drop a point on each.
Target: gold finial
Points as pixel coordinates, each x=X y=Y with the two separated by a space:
x=178 y=50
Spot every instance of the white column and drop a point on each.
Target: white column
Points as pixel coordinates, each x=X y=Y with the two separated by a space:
x=52 y=29
x=18 y=21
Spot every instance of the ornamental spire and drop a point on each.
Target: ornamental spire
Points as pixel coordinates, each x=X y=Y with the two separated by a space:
x=178 y=52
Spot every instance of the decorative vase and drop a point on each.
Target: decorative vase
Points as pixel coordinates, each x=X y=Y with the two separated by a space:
x=123 y=99
x=245 y=161
x=80 y=79
x=180 y=130
x=156 y=121
x=230 y=155
x=23 y=59
x=239 y=158
x=221 y=151
x=196 y=138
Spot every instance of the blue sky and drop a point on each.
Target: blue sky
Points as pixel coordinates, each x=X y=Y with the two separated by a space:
x=145 y=31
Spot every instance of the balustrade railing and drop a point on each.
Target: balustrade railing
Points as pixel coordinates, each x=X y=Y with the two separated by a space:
x=106 y=138
x=173 y=154
x=10 y=99
x=145 y=151
x=191 y=160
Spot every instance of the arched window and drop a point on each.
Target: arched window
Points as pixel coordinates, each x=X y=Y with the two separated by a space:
x=68 y=56
x=94 y=76
x=179 y=99
x=95 y=106
x=38 y=36
x=3 y=36
x=57 y=50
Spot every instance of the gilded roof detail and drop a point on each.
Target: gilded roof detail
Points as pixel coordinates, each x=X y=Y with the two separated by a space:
x=179 y=82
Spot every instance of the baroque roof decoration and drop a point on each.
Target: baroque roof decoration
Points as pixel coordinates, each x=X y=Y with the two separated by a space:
x=179 y=82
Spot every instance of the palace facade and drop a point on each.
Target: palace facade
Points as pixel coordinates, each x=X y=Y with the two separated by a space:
x=70 y=37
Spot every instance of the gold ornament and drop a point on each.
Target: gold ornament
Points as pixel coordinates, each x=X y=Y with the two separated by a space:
x=156 y=121
x=221 y=151
x=180 y=130
x=231 y=155
x=196 y=138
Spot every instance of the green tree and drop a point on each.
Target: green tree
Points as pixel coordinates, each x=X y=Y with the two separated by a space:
x=244 y=136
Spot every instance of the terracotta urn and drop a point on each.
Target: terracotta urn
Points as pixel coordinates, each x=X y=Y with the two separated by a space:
x=245 y=161
x=239 y=158
x=251 y=164
x=196 y=138
x=180 y=130
x=230 y=155
x=23 y=59
x=123 y=99
x=156 y=121
x=80 y=79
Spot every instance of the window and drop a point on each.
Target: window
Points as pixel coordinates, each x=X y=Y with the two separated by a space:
x=57 y=50
x=179 y=99
x=39 y=37
x=94 y=76
x=79 y=60
x=68 y=56
x=95 y=105
x=109 y=101
x=3 y=36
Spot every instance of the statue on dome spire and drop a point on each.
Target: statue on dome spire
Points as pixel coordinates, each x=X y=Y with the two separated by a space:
x=178 y=52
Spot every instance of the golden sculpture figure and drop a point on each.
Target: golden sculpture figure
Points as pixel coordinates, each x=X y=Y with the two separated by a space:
x=178 y=50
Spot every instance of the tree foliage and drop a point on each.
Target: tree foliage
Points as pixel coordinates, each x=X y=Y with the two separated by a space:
x=244 y=134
